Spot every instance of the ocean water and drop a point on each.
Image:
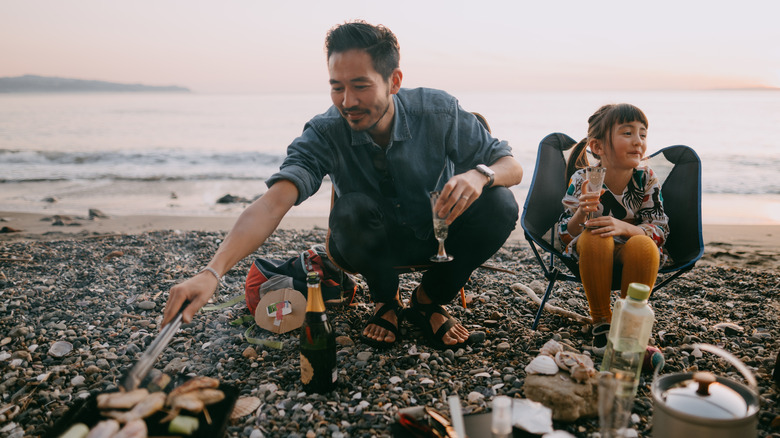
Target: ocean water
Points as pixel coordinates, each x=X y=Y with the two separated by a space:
x=177 y=153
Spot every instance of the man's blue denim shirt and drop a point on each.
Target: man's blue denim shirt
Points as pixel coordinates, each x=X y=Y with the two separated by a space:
x=432 y=139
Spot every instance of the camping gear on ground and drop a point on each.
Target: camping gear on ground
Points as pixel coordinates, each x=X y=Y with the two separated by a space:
x=679 y=169
x=528 y=419
x=275 y=293
x=702 y=404
x=276 y=289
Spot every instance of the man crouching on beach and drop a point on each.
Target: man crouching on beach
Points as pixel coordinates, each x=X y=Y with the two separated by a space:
x=385 y=149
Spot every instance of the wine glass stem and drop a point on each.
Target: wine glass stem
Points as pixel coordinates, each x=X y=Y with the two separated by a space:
x=442 y=253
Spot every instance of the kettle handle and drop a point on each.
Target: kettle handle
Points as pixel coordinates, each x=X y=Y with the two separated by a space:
x=751 y=380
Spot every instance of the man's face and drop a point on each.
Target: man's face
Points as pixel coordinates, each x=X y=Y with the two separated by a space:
x=360 y=93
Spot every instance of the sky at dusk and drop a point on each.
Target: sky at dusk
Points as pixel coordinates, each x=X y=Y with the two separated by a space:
x=236 y=46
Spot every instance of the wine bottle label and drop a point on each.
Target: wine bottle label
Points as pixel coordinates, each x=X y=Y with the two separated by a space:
x=307 y=371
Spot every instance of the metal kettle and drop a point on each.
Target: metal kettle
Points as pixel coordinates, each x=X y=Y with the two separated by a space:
x=704 y=405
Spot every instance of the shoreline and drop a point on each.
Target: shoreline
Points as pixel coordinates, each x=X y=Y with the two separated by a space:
x=744 y=246
x=202 y=198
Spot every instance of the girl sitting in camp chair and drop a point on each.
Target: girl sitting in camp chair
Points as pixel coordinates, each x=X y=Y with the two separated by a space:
x=628 y=225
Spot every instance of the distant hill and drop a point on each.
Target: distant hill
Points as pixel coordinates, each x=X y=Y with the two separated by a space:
x=764 y=88
x=45 y=84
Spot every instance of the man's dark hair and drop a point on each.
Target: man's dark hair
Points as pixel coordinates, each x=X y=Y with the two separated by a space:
x=378 y=41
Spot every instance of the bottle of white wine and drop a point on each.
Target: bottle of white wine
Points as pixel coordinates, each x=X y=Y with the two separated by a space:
x=318 y=342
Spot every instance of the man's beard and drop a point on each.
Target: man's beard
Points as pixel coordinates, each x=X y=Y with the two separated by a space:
x=344 y=114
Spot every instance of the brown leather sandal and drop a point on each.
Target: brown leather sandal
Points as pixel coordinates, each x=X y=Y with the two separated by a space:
x=377 y=319
x=420 y=316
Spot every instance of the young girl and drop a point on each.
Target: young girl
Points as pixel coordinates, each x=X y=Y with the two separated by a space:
x=628 y=225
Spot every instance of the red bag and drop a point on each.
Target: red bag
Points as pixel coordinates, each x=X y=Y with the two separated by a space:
x=266 y=275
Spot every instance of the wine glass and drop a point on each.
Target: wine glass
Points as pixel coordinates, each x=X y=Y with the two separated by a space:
x=440 y=229
x=595 y=176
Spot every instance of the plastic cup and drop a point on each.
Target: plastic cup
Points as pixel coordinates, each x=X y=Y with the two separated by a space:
x=501 y=418
x=614 y=406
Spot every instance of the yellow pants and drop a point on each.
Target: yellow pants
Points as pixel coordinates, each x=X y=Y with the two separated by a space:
x=639 y=257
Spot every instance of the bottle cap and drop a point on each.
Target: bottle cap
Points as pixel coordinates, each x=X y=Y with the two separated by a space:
x=639 y=291
x=312 y=278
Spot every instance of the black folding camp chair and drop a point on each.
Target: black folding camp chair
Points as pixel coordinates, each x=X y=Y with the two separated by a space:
x=678 y=168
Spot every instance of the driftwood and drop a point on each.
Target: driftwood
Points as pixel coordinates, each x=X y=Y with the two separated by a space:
x=498 y=268
x=23 y=258
x=519 y=287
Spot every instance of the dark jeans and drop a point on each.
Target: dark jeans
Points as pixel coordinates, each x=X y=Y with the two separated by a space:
x=362 y=240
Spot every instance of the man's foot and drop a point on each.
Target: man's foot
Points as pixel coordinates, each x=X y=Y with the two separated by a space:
x=441 y=330
x=381 y=330
x=600 y=333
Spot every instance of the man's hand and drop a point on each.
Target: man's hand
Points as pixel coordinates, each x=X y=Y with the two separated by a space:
x=458 y=194
x=197 y=290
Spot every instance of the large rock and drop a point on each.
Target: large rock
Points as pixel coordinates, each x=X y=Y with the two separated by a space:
x=567 y=399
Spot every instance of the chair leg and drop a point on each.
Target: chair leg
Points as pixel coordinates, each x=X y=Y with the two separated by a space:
x=546 y=296
x=670 y=278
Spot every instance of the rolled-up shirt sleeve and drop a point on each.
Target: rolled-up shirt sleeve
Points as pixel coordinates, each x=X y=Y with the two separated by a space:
x=307 y=162
x=473 y=144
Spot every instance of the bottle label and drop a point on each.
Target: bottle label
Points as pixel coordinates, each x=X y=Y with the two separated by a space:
x=630 y=325
x=307 y=371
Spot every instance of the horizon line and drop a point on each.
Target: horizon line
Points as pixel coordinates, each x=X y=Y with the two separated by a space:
x=760 y=87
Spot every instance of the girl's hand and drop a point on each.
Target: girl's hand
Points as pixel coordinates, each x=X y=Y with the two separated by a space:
x=589 y=201
x=608 y=226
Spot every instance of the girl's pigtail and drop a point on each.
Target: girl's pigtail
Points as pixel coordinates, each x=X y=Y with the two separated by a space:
x=578 y=158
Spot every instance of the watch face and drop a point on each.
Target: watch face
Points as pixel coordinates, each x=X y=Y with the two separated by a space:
x=485 y=170
x=481 y=168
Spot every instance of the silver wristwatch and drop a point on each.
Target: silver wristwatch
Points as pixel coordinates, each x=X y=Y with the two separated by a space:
x=488 y=172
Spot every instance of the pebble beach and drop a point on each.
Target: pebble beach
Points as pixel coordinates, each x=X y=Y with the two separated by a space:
x=103 y=292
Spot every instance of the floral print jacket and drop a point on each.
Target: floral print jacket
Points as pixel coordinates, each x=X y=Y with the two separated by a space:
x=640 y=204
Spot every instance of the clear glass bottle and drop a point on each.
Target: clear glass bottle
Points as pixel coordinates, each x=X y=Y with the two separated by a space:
x=318 y=342
x=632 y=320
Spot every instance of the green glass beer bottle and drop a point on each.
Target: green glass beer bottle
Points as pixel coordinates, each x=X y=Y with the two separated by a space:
x=318 y=342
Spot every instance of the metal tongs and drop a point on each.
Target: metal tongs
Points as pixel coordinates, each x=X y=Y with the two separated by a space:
x=141 y=368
